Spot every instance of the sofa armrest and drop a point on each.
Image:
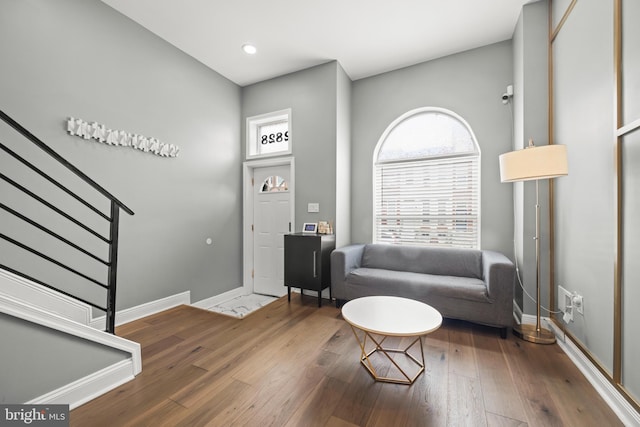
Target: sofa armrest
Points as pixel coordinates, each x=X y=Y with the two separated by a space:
x=499 y=275
x=343 y=261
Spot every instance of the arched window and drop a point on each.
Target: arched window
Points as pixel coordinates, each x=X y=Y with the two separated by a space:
x=426 y=187
x=274 y=183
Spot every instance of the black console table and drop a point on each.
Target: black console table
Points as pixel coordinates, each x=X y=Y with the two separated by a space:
x=306 y=262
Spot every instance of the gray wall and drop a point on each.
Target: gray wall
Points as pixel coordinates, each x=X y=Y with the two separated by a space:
x=530 y=108
x=83 y=59
x=311 y=95
x=584 y=88
x=25 y=374
x=583 y=95
x=470 y=84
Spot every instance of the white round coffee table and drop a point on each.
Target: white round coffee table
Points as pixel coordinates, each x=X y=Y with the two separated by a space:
x=387 y=316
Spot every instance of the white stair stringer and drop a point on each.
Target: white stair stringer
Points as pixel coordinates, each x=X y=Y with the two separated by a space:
x=37 y=296
x=94 y=385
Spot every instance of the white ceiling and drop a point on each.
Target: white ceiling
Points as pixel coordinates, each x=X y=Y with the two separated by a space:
x=367 y=37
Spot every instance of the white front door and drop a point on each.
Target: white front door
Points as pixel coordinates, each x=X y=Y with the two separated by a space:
x=271 y=221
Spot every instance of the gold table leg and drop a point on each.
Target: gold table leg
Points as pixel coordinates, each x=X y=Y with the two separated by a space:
x=364 y=357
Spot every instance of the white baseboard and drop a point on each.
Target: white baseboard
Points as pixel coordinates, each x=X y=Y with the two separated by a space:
x=89 y=387
x=40 y=297
x=93 y=385
x=98 y=383
x=219 y=299
x=18 y=309
x=616 y=401
x=143 y=310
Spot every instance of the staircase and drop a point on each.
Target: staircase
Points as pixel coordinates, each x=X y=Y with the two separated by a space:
x=58 y=258
x=112 y=218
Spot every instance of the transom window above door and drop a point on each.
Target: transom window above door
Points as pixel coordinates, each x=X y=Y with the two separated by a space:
x=426 y=187
x=269 y=134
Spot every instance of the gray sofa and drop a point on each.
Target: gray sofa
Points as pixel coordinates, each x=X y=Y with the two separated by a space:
x=466 y=284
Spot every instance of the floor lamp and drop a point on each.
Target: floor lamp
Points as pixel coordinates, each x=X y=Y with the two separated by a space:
x=533 y=164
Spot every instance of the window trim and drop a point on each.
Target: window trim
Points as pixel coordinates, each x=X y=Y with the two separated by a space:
x=382 y=139
x=251 y=135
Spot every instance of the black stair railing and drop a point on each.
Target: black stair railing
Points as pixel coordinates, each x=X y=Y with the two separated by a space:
x=111 y=240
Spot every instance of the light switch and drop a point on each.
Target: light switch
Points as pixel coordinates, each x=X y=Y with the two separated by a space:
x=313 y=207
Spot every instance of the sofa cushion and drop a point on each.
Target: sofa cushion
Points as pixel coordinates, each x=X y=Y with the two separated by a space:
x=417 y=285
x=436 y=261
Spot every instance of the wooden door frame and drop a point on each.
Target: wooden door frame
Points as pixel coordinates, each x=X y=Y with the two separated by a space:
x=248 y=168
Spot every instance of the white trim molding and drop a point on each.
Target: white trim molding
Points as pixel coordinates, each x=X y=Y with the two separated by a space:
x=18 y=309
x=618 y=404
x=143 y=310
x=253 y=130
x=88 y=388
x=95 y=384
x=219 y=299
x=37 y=296
x=247 y=210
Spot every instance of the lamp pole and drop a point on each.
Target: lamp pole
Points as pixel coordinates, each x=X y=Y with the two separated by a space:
x=537 y=238
x=527 y=332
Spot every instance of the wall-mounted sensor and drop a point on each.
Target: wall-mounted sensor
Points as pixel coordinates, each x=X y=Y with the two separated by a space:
x=208 y=241
x=507 y=95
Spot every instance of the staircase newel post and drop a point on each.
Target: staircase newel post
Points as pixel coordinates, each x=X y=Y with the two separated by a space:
x=113 y=268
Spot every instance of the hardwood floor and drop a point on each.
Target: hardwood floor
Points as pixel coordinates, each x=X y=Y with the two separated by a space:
x=297 y=365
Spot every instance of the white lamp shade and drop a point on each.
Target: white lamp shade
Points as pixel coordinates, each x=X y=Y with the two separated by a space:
x=537 y=162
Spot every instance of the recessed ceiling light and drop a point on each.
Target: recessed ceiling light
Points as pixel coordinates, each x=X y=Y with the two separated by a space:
x=249 y=49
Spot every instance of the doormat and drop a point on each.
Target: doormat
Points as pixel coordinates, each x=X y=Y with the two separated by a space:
x=243 y=305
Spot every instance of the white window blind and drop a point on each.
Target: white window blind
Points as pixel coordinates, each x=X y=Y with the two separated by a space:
x=427 y=181
x=431 y=202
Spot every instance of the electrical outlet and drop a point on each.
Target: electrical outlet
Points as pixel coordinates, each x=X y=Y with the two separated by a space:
x=564 y=299
x=568 y=315
x=578 y=303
